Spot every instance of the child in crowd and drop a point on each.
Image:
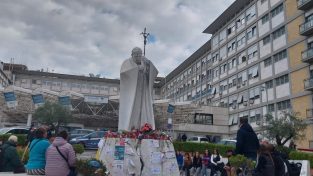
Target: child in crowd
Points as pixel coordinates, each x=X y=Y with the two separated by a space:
x=217 y=164
x=206 y=161
x=197 y=164
x=187 y=164
x=180 y=160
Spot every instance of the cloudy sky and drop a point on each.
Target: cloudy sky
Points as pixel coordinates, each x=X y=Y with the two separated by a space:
x=95 y=36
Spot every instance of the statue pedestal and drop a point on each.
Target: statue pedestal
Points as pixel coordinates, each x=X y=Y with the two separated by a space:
x=126 y=156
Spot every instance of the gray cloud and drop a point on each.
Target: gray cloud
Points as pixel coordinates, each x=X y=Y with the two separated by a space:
x=81 y=37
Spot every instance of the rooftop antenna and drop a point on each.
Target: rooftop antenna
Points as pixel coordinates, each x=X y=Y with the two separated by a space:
x=145 y=36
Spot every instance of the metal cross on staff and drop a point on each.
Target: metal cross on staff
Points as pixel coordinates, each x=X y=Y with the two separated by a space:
x=145 y=36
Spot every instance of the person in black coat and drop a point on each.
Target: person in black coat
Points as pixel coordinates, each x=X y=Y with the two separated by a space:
x=184 y=137
x=247 y=141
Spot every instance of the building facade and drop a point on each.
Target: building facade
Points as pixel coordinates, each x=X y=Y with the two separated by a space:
x=258 y=61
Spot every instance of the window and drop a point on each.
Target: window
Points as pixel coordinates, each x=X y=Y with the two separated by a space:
x=269 y=84
x=241 y=40
x=251 y=33
x=279 y=32
x=277 y=10
x=231 y=29
x=279 y=56
x=267 y=62
x=270 y=108
x=262 y=1
x=253 y=73
x=283 y=105
x=250 y=13
x=215 y=57
x=232 y=63
x=282 y=80
x=252 y=51
x=265 y=18
x=202 y=118
x=266 y=40
x=243 y=59
x=240 y=21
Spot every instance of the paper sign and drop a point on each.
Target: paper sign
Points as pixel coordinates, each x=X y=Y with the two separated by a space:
x=156 y=170
x=119 y=152
x=129 y=151
x=154 y=143
x=172 y=167
x=156 y=157
x=170 y=155
x=118 y=167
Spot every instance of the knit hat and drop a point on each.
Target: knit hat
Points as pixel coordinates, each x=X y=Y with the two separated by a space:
x=13 y=138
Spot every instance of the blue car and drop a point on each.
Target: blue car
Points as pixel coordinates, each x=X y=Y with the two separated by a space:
x=89 y=141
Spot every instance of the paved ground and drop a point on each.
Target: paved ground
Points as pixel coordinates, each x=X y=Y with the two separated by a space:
x=88 y=154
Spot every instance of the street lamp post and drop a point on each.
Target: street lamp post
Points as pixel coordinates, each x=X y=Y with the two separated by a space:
x=263 y=88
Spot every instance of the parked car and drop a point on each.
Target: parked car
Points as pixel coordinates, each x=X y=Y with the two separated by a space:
x=198 y=139
x=14 y=130
x=89 y=141
x=227 y=142
x=79 y=132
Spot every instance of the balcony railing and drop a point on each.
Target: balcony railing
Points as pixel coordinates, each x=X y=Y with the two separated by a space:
x=307 y=55
x=308 y=84
x=307 y=27
x=305 y=4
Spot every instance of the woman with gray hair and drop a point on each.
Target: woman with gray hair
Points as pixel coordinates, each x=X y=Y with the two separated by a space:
x=11 y=160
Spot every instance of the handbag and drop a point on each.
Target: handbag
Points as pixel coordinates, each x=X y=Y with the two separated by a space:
x=72 y=169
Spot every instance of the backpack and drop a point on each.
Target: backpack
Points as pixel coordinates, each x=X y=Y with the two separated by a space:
x=294 y=169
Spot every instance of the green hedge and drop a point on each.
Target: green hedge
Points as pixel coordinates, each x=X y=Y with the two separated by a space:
x=295 y=155
x=21 y=139
x=201 y=147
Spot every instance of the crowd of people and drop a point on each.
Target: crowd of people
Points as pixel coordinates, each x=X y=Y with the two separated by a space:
x=269 y=162
x=54 y=157
x=204 y=164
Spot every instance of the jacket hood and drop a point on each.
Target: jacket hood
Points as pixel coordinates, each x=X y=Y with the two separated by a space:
x=59 y=141
x=247 y=127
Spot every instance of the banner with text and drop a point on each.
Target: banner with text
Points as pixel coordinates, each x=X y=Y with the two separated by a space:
x=10 y=99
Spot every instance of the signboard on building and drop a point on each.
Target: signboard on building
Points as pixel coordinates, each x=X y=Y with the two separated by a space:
x=65 y=100
x=10 y=99
x=170 y=108
x=96 y=99
x=38 y=100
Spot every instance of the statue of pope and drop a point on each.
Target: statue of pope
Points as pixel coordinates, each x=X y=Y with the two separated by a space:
x=136 y=90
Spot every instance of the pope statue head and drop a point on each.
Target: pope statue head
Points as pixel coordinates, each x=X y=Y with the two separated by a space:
x=136 y=55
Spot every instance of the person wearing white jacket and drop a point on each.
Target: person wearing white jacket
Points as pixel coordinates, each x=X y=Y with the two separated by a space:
x=216 y=161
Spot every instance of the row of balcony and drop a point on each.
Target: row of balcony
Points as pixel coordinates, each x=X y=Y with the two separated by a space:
x=305 y=4
x=306 y=29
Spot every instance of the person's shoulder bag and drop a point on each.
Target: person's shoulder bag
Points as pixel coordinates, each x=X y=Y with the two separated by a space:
x=72 y=169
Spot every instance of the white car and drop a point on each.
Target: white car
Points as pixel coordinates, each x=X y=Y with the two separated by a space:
x=198 y=139
x=228 y=142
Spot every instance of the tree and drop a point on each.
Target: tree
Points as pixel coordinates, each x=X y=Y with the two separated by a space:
x=53 y=114
x=286 y=127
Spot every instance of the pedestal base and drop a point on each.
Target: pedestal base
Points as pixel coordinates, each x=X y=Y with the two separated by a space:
x=125 y=156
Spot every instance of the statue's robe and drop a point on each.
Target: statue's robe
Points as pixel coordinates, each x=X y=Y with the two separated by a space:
x=136 y=94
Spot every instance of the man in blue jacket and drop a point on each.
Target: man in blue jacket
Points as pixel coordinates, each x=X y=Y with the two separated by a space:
x=247 y=141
